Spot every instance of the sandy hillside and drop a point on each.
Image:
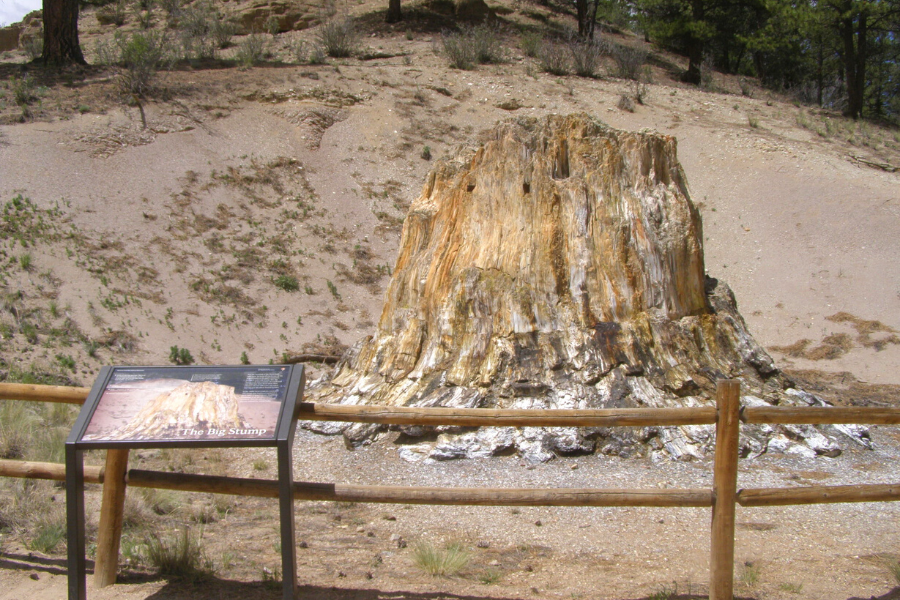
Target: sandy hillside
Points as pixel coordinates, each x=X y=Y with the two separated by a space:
x=258 y=214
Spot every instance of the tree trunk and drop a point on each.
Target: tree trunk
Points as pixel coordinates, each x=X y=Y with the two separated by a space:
x=695 y=56
x=854 y=32
x=394 y=15
x=61 y=44
x=586 y=12
x=695 y=46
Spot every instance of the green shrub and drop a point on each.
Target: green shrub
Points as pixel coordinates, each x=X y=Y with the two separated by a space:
x=339 y=38
x=180 y=356
x=251 y=50
x=143 y=13
x=287 y=283
x=333 y=289
x=24 y=90
x=49 y=531
x=34 y=45
x=531 y=43
x=141 y=56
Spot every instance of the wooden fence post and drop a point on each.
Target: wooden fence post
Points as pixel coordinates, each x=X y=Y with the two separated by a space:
x=111 y=512
x=728 y=403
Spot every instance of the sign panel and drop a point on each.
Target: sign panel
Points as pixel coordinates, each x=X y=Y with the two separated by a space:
x=146 y=405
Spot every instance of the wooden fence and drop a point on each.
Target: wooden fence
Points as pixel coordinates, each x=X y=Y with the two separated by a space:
x=722 y=498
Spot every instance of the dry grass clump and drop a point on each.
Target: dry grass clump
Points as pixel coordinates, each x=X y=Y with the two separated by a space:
x=471 y=46
x=441 y=562
x=554 y=58
x=339 y=39
x=178 y=555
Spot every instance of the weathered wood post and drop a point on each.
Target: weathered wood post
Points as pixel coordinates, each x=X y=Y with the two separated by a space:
x=112 y=509
x=728 y=404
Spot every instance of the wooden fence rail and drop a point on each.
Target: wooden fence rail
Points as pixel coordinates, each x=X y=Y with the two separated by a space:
x=722 y=498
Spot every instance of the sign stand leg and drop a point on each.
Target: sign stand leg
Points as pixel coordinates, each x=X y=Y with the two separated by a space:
x=112 y=510
x=286 y=506
x=75 y=522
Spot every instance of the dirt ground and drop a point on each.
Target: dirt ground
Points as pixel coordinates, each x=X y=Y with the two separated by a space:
x=176 y=234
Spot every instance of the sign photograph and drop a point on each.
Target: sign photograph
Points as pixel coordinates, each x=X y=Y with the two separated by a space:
x=162 y=404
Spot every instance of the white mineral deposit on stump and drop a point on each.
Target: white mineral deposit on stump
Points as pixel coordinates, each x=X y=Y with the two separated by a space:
x=559 y=264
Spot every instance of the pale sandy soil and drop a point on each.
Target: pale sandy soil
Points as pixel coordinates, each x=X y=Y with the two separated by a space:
x=157 y=227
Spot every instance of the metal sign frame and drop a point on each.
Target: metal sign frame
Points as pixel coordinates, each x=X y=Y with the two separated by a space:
x=282 y=440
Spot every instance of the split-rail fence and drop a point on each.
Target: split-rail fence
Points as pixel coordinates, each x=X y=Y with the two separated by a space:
x=722 y=498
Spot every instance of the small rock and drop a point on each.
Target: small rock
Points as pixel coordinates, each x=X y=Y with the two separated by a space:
x=538 y=523
x=303 y=544
x=401 y=543
x=534 y=590
x=494 y=563
x=370 y=534
x=341 y=574
x=389 y=518
x=483 y=544
x=360 y=529
x=35 y=576
x=529 y=568
x=369 y=575
x=574 y=467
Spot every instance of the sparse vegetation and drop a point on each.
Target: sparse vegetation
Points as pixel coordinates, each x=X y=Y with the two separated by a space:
x=749 y=574
x=204 y=30
x=629 y=61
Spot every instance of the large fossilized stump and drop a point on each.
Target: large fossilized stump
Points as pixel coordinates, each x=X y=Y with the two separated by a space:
x=193 y=405
x=559 y=264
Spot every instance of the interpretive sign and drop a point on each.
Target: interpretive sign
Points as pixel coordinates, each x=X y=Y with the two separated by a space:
x=193 y=407
x=148 y=405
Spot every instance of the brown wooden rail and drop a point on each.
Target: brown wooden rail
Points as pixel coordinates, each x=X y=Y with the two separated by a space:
x=490 y=417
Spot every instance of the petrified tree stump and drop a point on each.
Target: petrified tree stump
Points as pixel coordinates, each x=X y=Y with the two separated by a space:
x=559 y=264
